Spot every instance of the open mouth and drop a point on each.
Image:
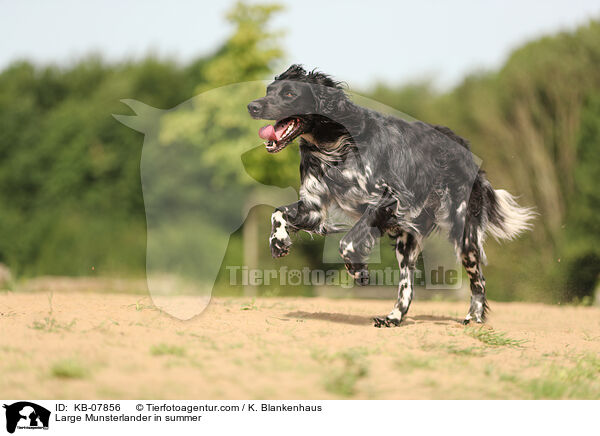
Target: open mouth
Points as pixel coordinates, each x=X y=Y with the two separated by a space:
x=281 y=134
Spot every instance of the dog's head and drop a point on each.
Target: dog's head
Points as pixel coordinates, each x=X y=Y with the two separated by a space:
x=296 y=100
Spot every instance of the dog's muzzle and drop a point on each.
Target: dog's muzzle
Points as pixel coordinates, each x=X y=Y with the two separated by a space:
x=254 y=109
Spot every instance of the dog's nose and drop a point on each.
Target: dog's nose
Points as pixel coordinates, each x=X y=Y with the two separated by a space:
x=253 y=108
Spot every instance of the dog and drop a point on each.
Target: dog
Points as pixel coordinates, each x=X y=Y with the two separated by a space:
x=393 y=177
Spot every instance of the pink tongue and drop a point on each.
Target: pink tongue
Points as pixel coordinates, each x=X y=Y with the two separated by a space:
x=268 y=133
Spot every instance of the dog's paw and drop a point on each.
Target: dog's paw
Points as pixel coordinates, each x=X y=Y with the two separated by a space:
x=360 y=273
x=386 y=321
x=470 y=317
x=280 y=247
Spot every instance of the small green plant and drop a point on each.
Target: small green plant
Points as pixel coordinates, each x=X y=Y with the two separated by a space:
x=320 y=355
x=69 y=369
x=493 y=338
x=207 y=341
x=469 y=351
x=505 y=377
x=167 y=350
x=140 y=305
x=410 y=362
x=452 y=349
x=49 y=323
x=249 y=306
x=342 y=381
x=590 y=338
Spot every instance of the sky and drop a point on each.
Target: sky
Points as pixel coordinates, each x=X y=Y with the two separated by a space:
x=357 y=42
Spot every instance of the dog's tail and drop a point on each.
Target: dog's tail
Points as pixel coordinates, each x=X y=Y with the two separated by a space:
x=505 y=218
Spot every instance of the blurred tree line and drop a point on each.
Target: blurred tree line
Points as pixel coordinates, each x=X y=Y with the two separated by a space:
x=70 y=174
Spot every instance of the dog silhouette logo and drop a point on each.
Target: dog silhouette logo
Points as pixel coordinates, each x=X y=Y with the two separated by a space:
x=26 y=415
x=197 y=192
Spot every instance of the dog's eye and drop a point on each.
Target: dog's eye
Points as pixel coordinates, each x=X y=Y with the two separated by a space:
x=289 y=94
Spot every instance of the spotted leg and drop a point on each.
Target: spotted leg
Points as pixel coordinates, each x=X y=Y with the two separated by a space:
x=472 y=255
x=479 y=307
x=279 y=240
x=356 y=246
x=407 y=251
x=301 y=215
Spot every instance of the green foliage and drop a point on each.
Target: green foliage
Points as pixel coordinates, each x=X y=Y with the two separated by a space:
x=69 y=174
x=250 y=53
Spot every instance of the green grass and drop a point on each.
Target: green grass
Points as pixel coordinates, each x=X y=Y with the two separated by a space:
x=49 y=323
x=506 y=377
x=452 y=349
x=581 y=381
x=140 y=305
x=493 y=338
x=207 y=341
x=167 y=350
x=249 y=305
x=320 y=355
x=410 y=362
x=69 y=369
x=468 y=351
x=352 y=366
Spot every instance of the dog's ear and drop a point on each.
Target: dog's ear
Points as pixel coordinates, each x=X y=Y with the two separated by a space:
x=331 y=102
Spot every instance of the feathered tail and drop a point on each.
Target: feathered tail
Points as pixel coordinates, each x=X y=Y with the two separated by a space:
x=506 y=219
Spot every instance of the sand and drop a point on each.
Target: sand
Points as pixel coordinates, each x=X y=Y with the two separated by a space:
x=92 y=345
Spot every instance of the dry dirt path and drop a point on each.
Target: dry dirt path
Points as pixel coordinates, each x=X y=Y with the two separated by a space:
x=93 y=345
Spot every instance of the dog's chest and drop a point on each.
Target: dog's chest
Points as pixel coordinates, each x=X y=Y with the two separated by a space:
x=347 y=187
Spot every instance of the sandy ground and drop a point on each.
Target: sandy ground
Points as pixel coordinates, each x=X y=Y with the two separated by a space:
x=92 y=345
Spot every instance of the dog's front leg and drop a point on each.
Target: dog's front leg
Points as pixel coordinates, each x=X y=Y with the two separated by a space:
x=279 y=240
x=291 y=218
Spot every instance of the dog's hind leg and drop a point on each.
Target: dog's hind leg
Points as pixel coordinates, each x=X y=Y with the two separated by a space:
x=407 y=251
x=479 y=307
x=472 y=255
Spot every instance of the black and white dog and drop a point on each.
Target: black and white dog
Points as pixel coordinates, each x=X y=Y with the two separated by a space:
x=394 y=177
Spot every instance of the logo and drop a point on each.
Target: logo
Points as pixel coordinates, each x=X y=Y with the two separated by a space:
x=26 y=415
x=198 y=191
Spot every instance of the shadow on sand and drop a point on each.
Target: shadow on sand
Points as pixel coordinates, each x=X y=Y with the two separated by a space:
x=368 y=320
